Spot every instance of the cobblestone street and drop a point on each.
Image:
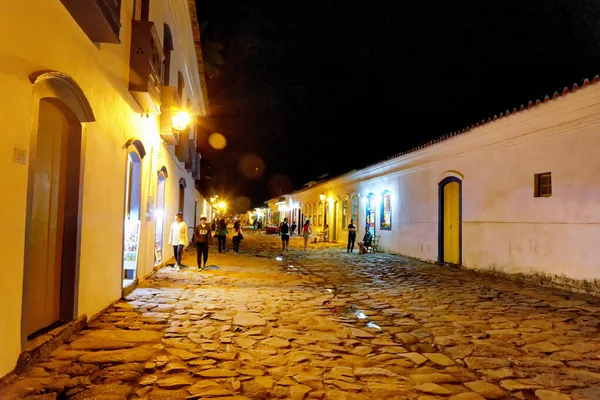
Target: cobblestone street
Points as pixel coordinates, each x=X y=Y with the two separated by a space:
x=329 y=325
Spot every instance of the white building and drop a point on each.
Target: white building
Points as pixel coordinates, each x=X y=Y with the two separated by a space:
x=93 y=169
x=518 y=194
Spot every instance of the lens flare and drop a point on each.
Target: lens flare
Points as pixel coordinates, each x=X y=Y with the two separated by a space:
x=217 y=141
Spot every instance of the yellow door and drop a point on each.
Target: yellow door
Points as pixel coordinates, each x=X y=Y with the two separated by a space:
x=47 y=220
x=451 y=223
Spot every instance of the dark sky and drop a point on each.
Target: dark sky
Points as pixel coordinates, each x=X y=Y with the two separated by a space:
x=299 y=79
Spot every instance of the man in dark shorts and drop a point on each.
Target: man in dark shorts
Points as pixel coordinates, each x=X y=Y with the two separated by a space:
x=284 y=230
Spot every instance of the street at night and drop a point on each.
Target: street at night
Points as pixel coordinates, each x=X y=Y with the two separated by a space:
x=326 y=324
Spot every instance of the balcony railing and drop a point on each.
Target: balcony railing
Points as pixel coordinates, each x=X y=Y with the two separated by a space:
x=146 y=63
x=99 y=19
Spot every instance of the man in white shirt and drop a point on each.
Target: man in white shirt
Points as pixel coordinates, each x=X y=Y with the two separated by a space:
x=178 y=238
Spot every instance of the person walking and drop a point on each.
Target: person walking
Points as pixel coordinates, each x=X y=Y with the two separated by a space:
x=222 y=234
x=236 y=237
x=351 y=236
x=294 y=226
x=202 y=239
x=178 y=238
x=306 y=233
x=284 y=231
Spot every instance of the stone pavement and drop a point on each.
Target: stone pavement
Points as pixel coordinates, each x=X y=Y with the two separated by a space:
x=325 y=324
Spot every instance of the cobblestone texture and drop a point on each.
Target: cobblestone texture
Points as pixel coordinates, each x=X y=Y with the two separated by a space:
x=325 y=324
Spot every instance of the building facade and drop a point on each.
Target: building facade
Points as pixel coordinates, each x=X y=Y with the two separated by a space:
x=517 y=194
x=98 y=157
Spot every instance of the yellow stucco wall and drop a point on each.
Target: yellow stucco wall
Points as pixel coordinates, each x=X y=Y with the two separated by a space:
x=38 y=35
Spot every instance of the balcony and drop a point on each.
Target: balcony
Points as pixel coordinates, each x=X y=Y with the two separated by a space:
x=99 y=19
x=145 y=66
x=170 y=103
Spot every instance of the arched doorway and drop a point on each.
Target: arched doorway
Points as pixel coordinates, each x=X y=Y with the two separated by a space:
x=159 y=215
x=450 y=221
x=370 y=213
x=133 y=199
x=54 y=193
x=335 y=224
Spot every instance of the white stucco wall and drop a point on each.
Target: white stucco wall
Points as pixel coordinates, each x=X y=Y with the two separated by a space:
x=504 y=227
x=102 y=71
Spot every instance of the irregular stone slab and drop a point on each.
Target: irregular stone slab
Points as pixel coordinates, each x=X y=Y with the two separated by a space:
x=297 y=392
x=542 y=347
x=406 y=338
x=440 y=359
x=346 y=386
x=175 y=367
x=486 y=389
x=433 y=388
x=148 y=380
x=414 y=357
x=221 y=317
x=246 y=319
x=522 y=384
x=221 y=356
x=544 y=394
x=251 y=371
x=467 y=396
x=175 y=382
x=183 y=354
x=434 y=377
x=498 y=374
x=359 y=333
x=265 y=381
x=123 y=335
x=373 y=371
x=299 y=356
x=217 y=373
x=486 y=362
x=276 y=342
x=275 y=361
x=117 y=356
x=245 y=342
x=537 y=362
x=203 y=387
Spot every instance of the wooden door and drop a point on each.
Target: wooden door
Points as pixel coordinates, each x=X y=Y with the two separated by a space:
x=47 y=219
x=451 y=209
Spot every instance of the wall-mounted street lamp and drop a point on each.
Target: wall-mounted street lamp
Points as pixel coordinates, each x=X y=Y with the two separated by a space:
x=181 y=121
x=322 y=196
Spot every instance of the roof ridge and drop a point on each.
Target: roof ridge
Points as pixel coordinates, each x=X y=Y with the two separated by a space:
x=530 y=104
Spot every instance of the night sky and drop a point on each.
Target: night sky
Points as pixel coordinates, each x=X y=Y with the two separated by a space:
x=300 y=79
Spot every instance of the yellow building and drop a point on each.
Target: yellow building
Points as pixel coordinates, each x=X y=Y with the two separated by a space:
x=94 y=163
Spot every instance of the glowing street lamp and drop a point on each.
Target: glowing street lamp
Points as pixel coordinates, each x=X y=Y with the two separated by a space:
x=181 y=121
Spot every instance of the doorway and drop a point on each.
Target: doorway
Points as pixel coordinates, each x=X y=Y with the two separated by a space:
x=52 y=229
x=335 y=220
x=450 y=221
x=132 y=217
x=159 y=219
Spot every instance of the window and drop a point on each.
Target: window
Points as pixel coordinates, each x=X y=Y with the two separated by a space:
x=180 y=85
x=543 y=185
x=345 y=213
x=320 y=213
x=370 y=213
x=167 y=47
x=355 y=210
x=386 y=211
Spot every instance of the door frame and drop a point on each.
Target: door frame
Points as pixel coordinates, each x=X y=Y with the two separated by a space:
x=58 y=86
x=441 y=186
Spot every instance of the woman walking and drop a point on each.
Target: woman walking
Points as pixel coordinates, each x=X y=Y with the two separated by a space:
x=306 y=233
x=222 y=234
x=236 y=237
